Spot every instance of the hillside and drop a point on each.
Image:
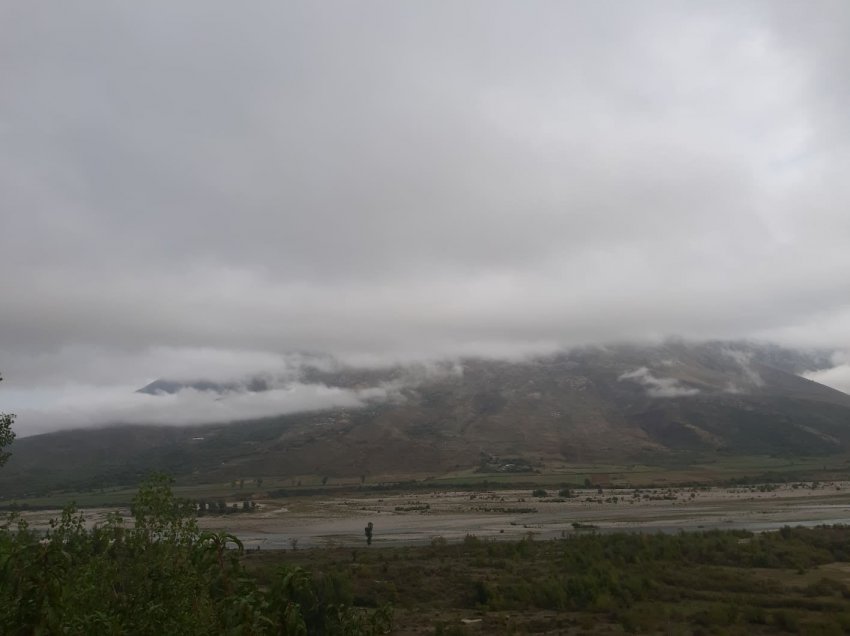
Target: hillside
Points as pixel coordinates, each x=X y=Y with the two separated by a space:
x=621 y=403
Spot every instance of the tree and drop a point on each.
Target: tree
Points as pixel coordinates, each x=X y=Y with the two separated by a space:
x=7 y=435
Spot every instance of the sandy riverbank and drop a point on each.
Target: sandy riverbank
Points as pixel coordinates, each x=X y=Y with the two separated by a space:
x=401 y=519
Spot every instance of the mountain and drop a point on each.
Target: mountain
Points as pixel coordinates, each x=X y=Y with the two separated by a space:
x=169 y=387
x=598 y=404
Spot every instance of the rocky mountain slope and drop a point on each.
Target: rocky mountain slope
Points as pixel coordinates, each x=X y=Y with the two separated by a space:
x=618 y=403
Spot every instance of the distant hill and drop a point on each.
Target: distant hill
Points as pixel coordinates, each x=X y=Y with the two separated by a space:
x=169 y=387
x=613 y=404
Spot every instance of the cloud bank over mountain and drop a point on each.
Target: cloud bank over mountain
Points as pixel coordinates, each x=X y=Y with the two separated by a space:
x=200 y=189
x=837 y=376
x=91 y=406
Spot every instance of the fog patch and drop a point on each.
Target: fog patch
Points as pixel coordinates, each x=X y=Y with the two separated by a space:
x=658 y=387
x=751 y=377
x=93 y=406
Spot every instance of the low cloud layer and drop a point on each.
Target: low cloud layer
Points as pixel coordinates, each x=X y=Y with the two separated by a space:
x=92 y=406
x=658 y=387
x=200 y=189
x=838 y=376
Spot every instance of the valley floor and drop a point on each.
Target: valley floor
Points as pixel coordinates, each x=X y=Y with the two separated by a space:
x=420 y=517
x=416 y=519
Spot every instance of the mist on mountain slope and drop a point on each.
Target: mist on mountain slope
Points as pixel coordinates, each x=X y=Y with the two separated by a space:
x=313 y=383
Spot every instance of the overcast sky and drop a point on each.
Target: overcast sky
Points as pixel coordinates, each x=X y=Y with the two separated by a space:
x=201 y=188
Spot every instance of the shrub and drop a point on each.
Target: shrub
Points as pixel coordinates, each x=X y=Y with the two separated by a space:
x=160 y=576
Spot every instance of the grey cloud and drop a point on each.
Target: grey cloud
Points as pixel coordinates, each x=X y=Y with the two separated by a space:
x=837 y=376
x=82 y=406
x=396 y=181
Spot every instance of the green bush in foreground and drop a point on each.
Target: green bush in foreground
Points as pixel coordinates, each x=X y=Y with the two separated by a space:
x=159 y=575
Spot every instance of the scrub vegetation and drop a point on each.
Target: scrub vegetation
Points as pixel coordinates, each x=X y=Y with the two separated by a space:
x=159 y=574
x=796 y=580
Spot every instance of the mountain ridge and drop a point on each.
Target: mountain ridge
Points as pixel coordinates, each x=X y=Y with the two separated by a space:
x=598 y=404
